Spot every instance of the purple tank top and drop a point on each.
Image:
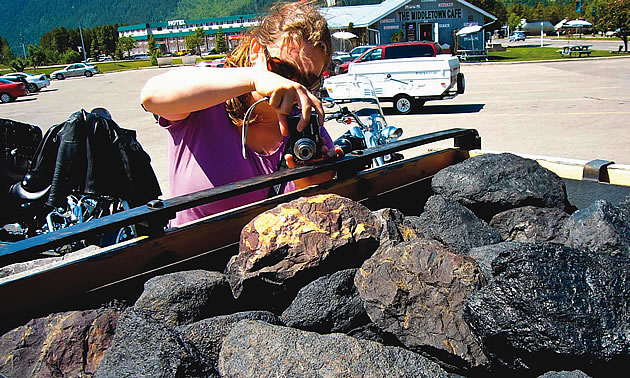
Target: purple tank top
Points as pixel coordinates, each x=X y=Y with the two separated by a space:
x=204 y=152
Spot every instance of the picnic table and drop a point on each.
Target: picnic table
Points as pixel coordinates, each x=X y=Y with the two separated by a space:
x=466 y=55
x=578 y=50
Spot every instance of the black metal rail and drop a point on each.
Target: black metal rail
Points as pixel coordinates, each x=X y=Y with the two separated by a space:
x=156 y=213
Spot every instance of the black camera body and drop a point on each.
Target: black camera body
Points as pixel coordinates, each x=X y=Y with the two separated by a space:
x=306 y=144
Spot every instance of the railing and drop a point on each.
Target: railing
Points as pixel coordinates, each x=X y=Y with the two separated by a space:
x=158 y=212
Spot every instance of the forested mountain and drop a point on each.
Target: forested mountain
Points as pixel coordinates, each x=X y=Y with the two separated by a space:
x=23 y=22
x=26 y=20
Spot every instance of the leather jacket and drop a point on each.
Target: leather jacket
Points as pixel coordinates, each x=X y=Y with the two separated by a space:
x=90 y=153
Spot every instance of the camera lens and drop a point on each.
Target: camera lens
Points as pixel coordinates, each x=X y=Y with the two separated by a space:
x=304 y=149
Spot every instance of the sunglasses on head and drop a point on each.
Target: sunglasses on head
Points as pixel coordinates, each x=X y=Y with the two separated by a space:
x=289 y=71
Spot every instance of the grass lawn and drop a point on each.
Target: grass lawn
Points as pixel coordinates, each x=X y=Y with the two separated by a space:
x=104 y=67
x=515 y=54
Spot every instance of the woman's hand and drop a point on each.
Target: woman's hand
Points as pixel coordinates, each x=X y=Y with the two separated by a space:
x=327 y=155
x=283 y=94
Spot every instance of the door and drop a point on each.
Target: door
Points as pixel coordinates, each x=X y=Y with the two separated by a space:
x=426 y=31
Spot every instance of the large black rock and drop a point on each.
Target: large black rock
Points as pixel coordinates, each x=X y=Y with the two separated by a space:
x=601 y=228
x=257 y=349
x=550 y=307
x=184 y=297
x=484 y=255
x=328 y=304
x=207 y=335
x=531 y=224
x=146 y=347
x=491 y=183
x=454 y=225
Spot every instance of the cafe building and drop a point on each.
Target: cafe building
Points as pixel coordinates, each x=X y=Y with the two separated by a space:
x=410 y=20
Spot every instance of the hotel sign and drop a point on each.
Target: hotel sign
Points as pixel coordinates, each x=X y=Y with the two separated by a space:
x=176 y=23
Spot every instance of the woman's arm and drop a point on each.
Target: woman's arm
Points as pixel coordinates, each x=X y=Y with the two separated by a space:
x=177 y=93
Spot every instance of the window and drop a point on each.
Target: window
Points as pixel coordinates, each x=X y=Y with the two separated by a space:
x=373 y=55
x=408 y=51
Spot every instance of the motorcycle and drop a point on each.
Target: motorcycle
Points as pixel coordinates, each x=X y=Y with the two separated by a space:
x=83 y=169
x=354 y=103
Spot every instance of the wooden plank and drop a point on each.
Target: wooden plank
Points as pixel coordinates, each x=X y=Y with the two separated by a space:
x=156 y=215
x=47 y=287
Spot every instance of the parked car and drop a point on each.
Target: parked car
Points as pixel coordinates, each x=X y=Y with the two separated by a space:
x=35 y=82
x=76 y=69
x=10 y=90
x=517 y=36
x=359 y=50
x=140 y=56
x=397 y=51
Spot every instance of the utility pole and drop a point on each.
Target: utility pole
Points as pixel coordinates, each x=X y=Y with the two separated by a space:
x=82 y=44
x=23 y=48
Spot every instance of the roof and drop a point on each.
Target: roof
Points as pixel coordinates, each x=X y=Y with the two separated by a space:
x=363 y=16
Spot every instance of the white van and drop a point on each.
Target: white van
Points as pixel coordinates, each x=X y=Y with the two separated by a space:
x=407 y=82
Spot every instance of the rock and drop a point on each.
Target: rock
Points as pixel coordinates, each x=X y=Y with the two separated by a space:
x=207 y=335
x=486 y=254
x=491 y=183
x=531 y=224
x=144 y=346
x=624 y=205
x=565 y=374
x=371 y=332
x=396 y=227
x=455 y=226
x=416 y=291
x=328 y=304
x=601 y=228
x=257 y=349
x=63 y=344
x=286 y=247
x=184 y=297
x=551 y=307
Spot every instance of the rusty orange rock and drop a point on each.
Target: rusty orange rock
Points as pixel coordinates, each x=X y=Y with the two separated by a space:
x=301 y=239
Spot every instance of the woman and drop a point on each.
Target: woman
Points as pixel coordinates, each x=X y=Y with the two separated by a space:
x=203 y=108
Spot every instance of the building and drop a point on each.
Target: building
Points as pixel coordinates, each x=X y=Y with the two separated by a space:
x=411 y=20
x=170 y=35
x=404 y=20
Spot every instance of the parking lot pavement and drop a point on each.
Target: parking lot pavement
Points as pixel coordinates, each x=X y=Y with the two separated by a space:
x=573 y=109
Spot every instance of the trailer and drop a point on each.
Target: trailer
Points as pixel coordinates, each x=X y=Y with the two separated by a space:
x=407 y=83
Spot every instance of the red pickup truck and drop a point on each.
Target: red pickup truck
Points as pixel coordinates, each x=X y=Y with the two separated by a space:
x=396 y=51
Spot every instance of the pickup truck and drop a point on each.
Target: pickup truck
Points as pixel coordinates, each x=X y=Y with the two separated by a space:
x=407 y=82
x=398 y=50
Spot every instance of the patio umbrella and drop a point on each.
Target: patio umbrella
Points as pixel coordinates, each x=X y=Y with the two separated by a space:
x=344 y=35
x=577 y=24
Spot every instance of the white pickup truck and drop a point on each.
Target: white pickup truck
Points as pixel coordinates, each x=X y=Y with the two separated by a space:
x=406 y=82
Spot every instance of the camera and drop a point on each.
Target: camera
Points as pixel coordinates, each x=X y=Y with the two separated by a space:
x=307 y=144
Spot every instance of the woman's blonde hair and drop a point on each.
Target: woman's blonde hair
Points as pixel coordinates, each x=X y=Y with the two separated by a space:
x=288 y=23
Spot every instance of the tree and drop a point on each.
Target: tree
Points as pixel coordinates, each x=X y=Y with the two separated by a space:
x=194 y=41
x=126 y=44
x=613 y=15
x=220 y=42
x=154 y=50
x=36 y=55
x=18 y=64
x=5 y=51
